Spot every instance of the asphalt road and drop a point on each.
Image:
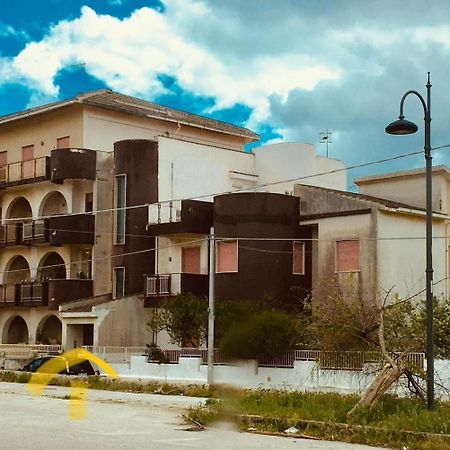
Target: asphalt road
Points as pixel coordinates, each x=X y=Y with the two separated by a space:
x=117 y=420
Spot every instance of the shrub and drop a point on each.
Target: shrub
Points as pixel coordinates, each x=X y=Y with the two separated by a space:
x=267 y=333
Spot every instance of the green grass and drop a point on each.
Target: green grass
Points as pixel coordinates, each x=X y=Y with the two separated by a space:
x=393 y=421
x=107 y=384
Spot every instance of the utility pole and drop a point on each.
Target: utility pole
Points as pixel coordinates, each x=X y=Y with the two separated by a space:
x=212 y=273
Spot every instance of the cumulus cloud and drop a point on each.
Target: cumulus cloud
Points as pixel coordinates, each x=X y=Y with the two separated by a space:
x=300 y=66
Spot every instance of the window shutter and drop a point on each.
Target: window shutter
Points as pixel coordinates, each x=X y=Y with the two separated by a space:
x=347 y=256
x=227 y=256
x=190 y=259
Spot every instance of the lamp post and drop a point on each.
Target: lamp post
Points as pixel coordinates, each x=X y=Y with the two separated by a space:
x=402 y=127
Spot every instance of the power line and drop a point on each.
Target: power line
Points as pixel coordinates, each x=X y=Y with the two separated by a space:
x=243 y=189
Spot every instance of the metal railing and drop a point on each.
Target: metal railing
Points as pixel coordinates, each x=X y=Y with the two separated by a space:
x=31 y=292
x=35 y=229
x=8 y=233
x=24 y=170
x=158 y=285
x=27 y=350
x=7 y=294
x=326 y=360
x=116 y=354
x=164 y=212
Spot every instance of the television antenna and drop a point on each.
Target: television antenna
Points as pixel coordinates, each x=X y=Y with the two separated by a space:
x=326 y=138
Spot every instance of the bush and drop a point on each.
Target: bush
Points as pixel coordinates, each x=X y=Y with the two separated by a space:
x=267 y=333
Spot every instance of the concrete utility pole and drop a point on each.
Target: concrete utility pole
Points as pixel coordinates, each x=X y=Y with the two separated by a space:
x=212 y=273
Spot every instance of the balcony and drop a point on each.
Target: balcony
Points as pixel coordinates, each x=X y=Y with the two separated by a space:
x=63 y=164
x=57 y=230
x=24 y=172
x=185 y=216
x=161 y=286
x=72 y=164
x=49 y=293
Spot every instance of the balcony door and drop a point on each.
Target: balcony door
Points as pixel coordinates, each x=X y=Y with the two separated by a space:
x=28 y=161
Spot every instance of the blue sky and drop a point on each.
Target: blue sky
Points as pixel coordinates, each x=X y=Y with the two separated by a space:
x=288 y=69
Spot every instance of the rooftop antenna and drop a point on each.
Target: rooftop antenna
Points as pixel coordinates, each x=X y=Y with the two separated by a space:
x=326 y=138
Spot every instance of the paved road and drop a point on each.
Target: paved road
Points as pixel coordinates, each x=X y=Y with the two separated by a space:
x=117 y=420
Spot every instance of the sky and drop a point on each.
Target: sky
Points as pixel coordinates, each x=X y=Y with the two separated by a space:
x=287 y=69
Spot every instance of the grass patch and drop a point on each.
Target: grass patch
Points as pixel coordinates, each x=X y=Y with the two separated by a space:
x=396 y=422
x=107 y=384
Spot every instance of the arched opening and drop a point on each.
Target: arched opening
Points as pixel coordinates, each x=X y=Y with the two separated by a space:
x=18 y=209
x=17 y=331
x=51 y=266
x=49 y=331
x=16 y=270
x=53 y=204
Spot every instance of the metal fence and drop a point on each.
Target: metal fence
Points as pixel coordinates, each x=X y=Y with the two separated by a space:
x=326 y=360
x=28 y=349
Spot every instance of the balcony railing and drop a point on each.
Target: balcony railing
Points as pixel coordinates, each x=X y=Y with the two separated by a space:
x=8 y=234
x=159 y=285
x=25 y=170
x=33 y=230
x=164 y=213
x=49 y=293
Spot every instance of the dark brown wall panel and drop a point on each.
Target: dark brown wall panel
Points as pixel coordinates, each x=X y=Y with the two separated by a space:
x=138 y=159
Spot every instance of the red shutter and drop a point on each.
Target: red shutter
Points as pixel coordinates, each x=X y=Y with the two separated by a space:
x=63 y=142
x=227 y=256
x=3 y=158
x=190 y=259
x=298 y=258
x=347 y=256
x=28 y=161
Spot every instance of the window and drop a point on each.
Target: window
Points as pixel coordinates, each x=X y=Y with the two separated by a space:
x=28 y=161
x=347 y=256
x=63 y=142
x=89 y=202
x=119 y=282
x=121 y=202
x=298 y=263
x=227 y=256
x=190 y=259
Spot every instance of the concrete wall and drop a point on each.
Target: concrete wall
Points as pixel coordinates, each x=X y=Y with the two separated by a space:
x=123 y=323
x=410 y=189
x=199 y=170
x=331 y=229
x=42 y=131
x=102 y=128
x=401 y=254
x=278 y=162
x=305 y=375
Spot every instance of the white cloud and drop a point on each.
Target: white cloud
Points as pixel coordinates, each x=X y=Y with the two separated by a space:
x=130 y=54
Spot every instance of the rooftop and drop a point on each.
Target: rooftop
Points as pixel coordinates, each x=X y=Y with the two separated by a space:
x=114 y=101
x=400 y=173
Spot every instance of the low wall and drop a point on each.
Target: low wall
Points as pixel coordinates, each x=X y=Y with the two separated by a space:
x=305 y=375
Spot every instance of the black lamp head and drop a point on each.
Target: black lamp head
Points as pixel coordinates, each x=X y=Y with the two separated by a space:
x=401 y=127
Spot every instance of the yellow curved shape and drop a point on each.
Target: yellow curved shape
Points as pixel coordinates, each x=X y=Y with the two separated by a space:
x=78 y=389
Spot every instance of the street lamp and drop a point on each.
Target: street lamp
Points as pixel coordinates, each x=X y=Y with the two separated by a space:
x=402 y=127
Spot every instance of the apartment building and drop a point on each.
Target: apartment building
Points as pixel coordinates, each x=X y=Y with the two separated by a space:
x=76 y=179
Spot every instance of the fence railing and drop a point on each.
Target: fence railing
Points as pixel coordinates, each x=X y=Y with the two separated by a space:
x=29 y=349
x=326 y=360
x=161 y=285
x=23 y=170
x=164 y=212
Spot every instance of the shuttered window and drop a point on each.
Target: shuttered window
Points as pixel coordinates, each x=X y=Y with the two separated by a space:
x=63 y=142
x=347 y=256
x=28 y=161
x=190 y=259
x=227 y=256
x=298 y=258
